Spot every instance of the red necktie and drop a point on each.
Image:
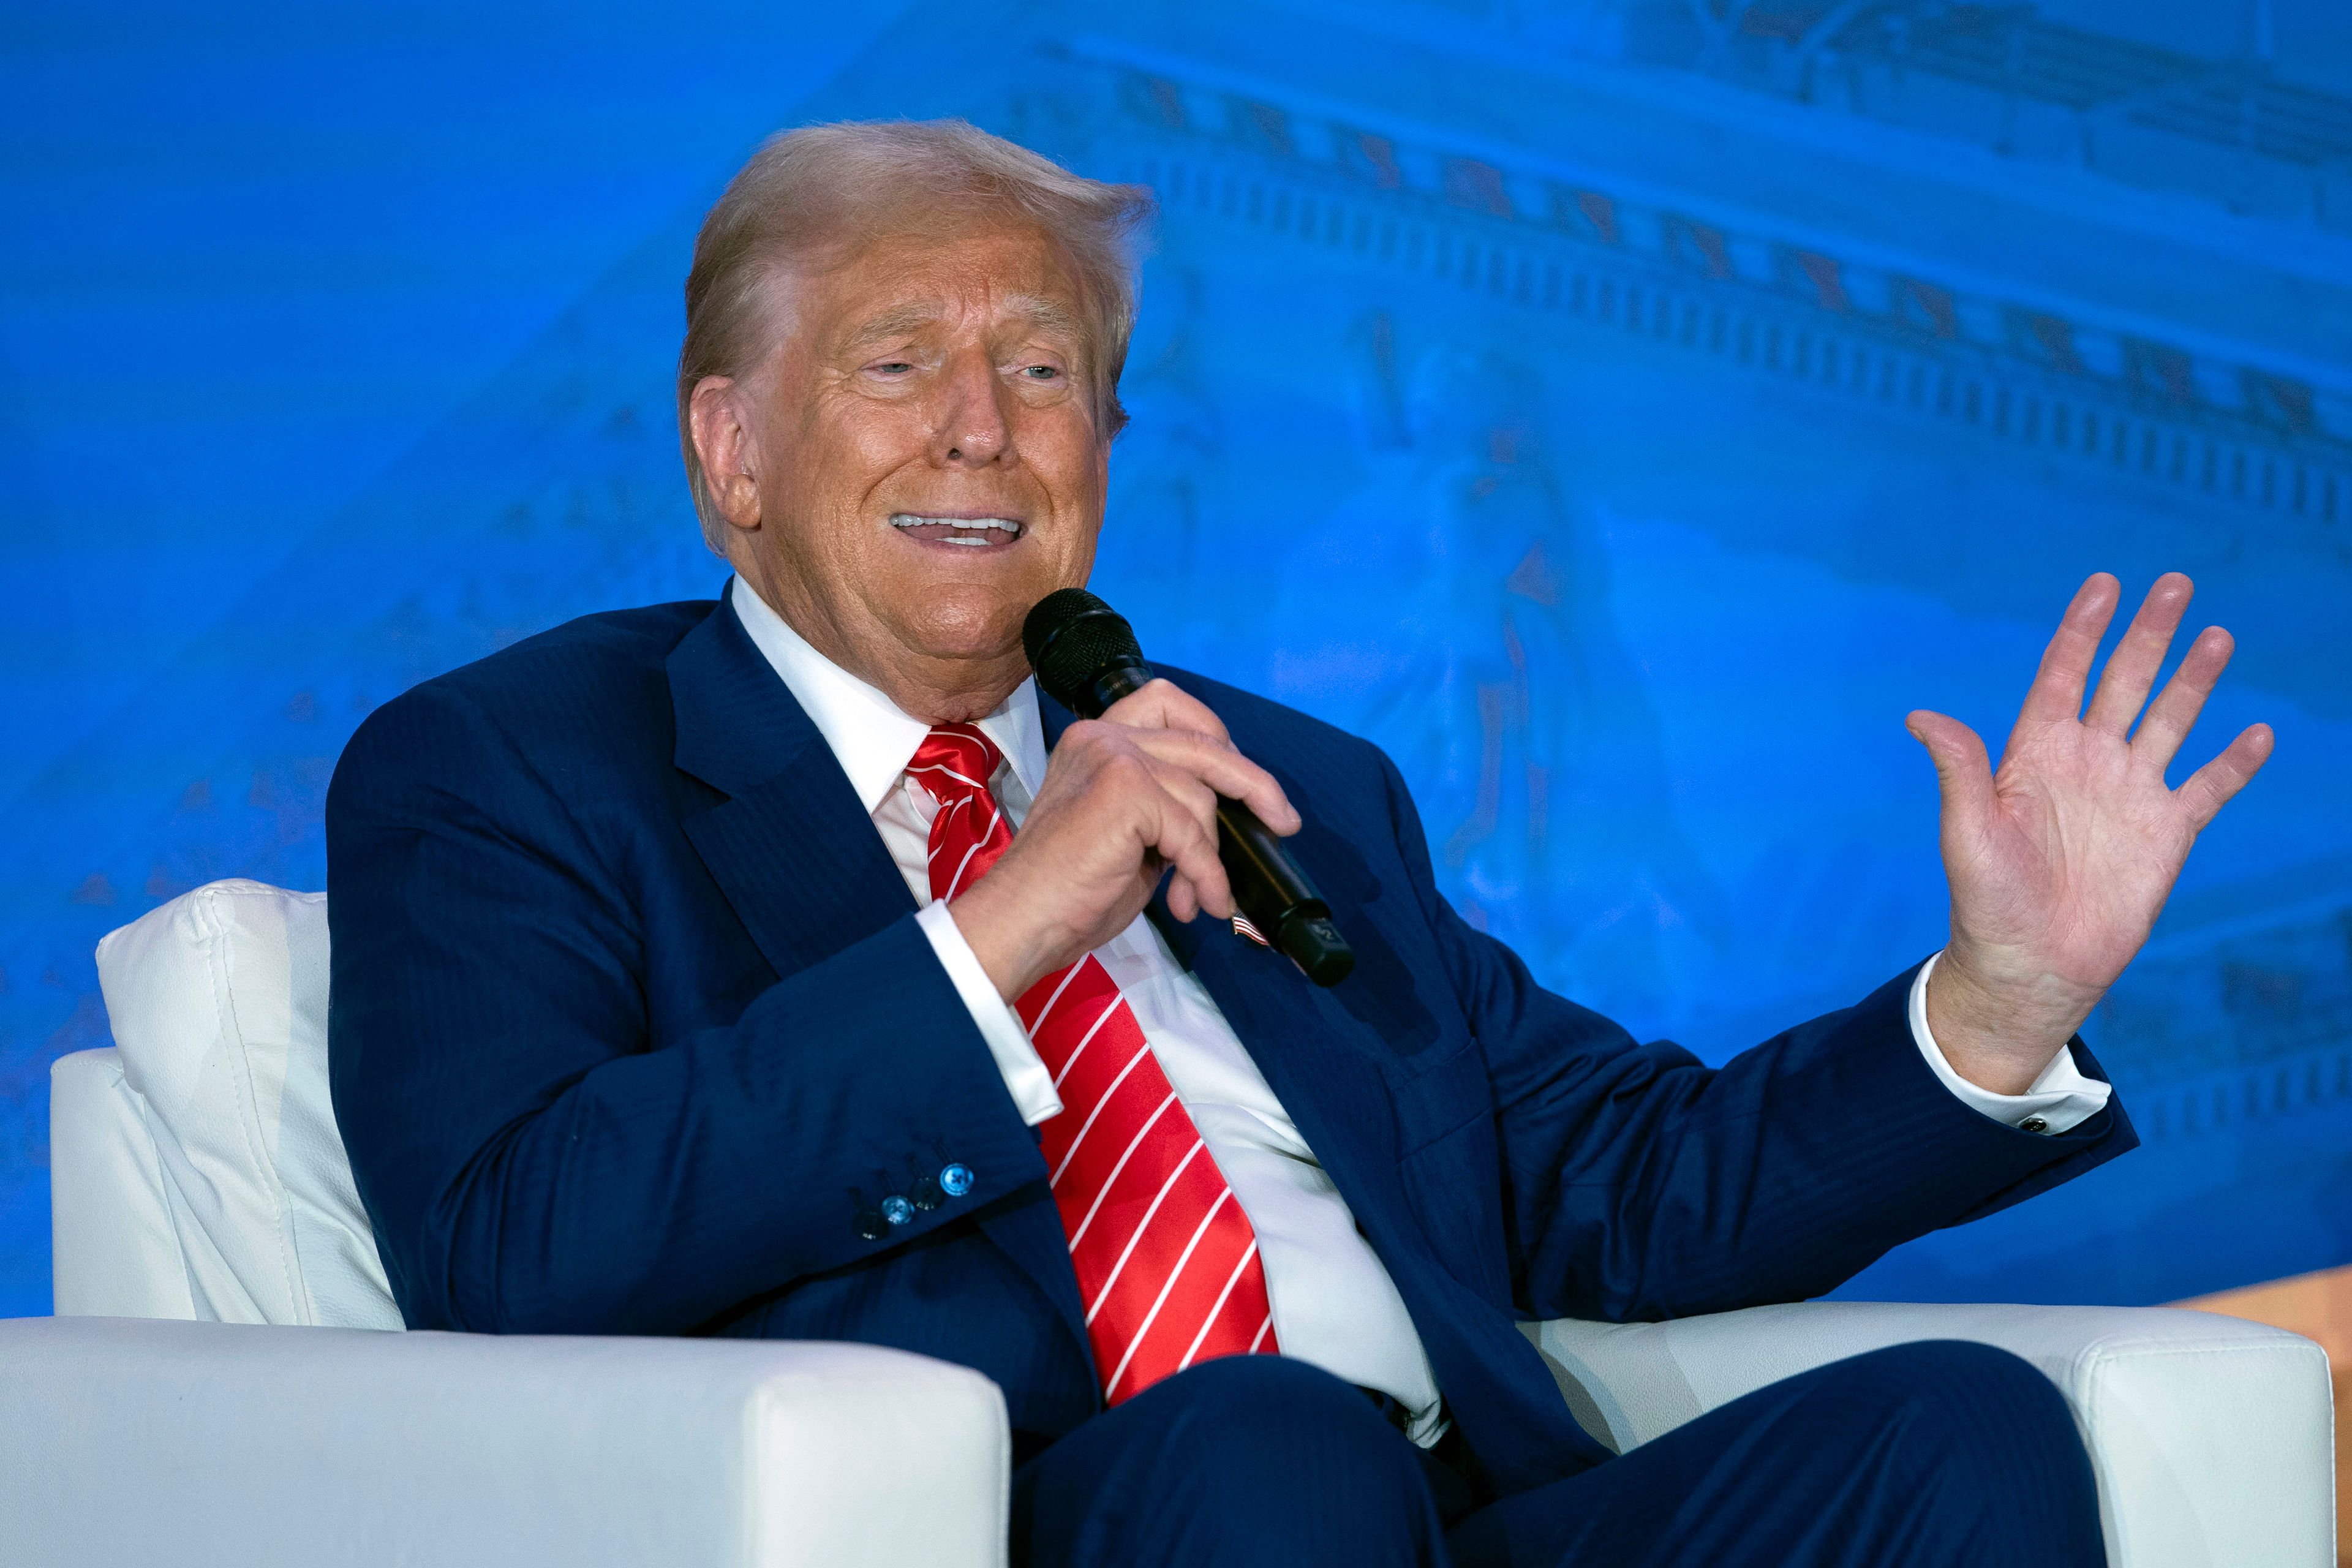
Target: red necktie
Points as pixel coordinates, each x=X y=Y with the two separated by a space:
x=1167 y=1263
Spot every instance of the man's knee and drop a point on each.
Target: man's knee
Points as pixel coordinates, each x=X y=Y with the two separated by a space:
x=1961 y=1392
x=1974 y=1419
x=1270 y=1421
x=1973 y=1431
x=1242 y=1459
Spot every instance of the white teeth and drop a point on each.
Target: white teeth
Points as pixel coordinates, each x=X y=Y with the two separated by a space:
x=975 y=524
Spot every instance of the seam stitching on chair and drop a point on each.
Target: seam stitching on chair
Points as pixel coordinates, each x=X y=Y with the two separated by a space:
x=298 y=1296
x=164 y=1190
x=2110 y=1352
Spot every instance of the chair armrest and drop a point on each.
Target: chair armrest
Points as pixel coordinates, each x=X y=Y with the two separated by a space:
x=136 y=1442
x=2212 y=1439
x=113 y=1248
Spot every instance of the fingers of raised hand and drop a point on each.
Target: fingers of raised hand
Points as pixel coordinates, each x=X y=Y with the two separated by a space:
x=2175 y=708
x=2131 y=668
x=2205 y=791
x=2057 y=691
x=1163 y=705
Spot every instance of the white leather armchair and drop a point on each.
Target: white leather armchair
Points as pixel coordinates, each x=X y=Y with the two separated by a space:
x=224 y=1383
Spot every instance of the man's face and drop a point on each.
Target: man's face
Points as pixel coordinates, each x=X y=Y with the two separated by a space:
x=925 y=455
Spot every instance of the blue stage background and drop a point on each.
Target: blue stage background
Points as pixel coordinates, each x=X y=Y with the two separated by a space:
x=1622 y=410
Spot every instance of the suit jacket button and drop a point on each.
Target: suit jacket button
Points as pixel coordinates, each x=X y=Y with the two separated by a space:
x=897 y=1210
x=924 y=1194
x=2033 y=1124
x=871 y=1224
x=956 y=1179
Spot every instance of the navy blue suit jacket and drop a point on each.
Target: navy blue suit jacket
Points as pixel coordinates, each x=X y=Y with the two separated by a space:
x=631 y=1019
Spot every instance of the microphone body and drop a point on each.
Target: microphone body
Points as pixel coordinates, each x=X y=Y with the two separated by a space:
x=1086 y=657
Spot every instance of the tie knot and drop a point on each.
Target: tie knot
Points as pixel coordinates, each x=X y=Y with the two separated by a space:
x=955 y=761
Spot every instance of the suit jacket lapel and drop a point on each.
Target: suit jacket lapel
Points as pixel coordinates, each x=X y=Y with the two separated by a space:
x=1323 y=1064
x=790 y=847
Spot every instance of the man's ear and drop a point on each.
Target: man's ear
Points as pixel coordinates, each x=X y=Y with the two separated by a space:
x=722 y=439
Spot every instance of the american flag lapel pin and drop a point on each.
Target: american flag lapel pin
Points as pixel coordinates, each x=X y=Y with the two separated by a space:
x=1242 y=926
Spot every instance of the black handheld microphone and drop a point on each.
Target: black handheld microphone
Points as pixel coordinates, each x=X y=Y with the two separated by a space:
x=1086 y=658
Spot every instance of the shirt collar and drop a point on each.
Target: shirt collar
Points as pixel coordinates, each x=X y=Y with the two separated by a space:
x=871 y=737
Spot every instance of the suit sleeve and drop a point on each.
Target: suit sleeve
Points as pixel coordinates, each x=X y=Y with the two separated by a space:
x=1639 y=1184
x=529 y=1163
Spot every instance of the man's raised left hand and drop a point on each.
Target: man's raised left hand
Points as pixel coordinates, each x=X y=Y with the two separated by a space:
x=2060 y=860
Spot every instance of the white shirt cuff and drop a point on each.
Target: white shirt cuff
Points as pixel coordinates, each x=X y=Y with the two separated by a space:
x=1026 y=1075
x=2060 y=1099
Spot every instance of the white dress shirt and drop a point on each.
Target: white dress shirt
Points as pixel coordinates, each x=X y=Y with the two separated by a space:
x=1333 y=1301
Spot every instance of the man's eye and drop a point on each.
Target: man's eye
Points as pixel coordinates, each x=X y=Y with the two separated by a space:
x=894 y=367
x=1040 y=372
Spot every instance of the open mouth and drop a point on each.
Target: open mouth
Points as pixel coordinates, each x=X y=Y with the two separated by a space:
x=972 y=533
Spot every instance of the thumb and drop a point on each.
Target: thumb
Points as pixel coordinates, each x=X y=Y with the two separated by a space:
x=1963 y=772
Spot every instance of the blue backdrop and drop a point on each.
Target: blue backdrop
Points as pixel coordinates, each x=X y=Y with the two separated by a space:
x=1622 y=410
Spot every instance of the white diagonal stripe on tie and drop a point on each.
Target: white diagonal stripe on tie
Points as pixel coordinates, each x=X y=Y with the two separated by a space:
x=1113 y=1005
x=943 y=768
x=956 y=882
x=1048 y=1010
x=1112 y=1180
x=1166 y=1285
x=1165 y=1188
x=1071 y=1154
x=1211 y=1320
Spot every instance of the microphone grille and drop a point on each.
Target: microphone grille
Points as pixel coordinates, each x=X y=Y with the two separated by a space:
x=1071 y=637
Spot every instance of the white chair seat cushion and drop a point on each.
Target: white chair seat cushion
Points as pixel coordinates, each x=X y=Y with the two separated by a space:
x=218 y=1001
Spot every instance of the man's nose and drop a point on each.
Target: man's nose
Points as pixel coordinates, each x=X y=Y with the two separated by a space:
x=975 y=427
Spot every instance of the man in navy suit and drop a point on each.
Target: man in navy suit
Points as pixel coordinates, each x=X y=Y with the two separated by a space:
x=786 y=966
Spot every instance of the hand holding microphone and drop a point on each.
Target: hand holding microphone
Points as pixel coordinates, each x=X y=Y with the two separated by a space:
x=1156 y=787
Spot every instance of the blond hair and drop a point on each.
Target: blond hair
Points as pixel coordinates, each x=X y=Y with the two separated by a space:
x=814 y=196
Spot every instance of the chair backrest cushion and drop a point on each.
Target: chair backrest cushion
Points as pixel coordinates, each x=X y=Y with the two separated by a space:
x=219 y=1003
